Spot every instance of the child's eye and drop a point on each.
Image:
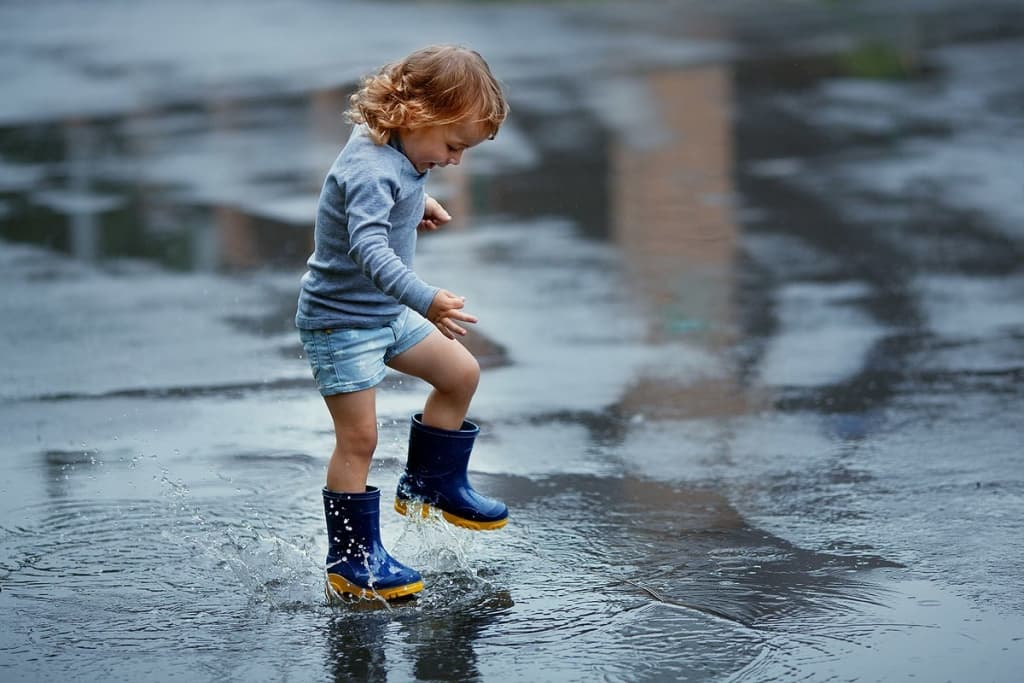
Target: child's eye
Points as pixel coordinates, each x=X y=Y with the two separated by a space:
x=452 y=149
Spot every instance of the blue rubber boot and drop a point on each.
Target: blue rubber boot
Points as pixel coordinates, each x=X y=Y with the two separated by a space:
x=357 y=563
x=435 y=475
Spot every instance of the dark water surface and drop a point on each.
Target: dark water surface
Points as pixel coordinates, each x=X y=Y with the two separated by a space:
x=750 y=280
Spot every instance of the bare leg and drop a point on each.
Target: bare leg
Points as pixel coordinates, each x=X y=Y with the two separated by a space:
x=450 y=369
x=439 y=450
x=355 y=433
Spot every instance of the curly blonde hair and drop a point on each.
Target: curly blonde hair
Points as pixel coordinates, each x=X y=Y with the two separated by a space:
x=433 y=86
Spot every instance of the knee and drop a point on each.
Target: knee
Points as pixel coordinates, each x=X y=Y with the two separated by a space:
x=358 y=441
x=463 y=378
x=469 y=375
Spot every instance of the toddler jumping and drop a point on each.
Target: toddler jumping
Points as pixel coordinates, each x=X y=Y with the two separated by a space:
x=362 y=309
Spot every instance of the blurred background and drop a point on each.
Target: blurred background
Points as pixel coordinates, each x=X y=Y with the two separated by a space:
x=749 y=278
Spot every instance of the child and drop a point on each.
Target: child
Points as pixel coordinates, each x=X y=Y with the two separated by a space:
x=362 y=308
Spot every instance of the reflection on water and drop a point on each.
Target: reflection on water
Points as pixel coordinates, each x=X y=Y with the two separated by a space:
x=190 y=188
x=672 y=205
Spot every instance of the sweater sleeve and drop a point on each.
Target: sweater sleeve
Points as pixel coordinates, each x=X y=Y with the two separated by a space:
x=369 y=200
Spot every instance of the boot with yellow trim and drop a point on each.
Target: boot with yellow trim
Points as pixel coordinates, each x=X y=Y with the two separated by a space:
x=436 y=476
x=358 y=566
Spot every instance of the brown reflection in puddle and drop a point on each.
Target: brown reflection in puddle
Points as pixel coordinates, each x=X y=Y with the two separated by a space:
x=657 y=398
x=672 y=205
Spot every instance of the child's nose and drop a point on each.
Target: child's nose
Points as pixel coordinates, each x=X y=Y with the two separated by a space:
x=455 y=157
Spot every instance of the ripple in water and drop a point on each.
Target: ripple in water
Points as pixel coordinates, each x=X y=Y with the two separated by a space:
x=620 y=577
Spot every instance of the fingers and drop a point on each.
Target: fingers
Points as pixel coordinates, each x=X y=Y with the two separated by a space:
x=444 y=329
x=452 y=328
x=448 y=322
x=451 y=320
x=437 y=213
x=452 y=308
x=446 y=301
x=445 y=313
x=434 y=214
x=449 y=328
x=459 y=315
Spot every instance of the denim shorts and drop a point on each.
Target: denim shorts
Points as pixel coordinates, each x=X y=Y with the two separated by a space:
x=352 y=359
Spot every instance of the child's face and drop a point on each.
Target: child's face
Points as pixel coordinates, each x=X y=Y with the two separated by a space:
x=440 y=145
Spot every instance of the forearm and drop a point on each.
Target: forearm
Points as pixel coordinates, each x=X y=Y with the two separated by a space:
x=389 y=274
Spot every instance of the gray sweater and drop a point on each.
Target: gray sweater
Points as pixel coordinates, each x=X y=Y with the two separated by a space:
x=360 y=273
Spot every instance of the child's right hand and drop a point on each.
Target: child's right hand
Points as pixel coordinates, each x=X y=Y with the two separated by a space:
x=445 y=310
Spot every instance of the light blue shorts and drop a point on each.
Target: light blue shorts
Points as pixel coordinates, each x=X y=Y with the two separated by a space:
x=352 y=359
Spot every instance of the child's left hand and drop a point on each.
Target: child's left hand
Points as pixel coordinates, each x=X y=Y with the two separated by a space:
x=434 y=215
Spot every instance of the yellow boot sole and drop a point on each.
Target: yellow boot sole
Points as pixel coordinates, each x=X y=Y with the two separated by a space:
x=402 y=508
x=342 y=586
